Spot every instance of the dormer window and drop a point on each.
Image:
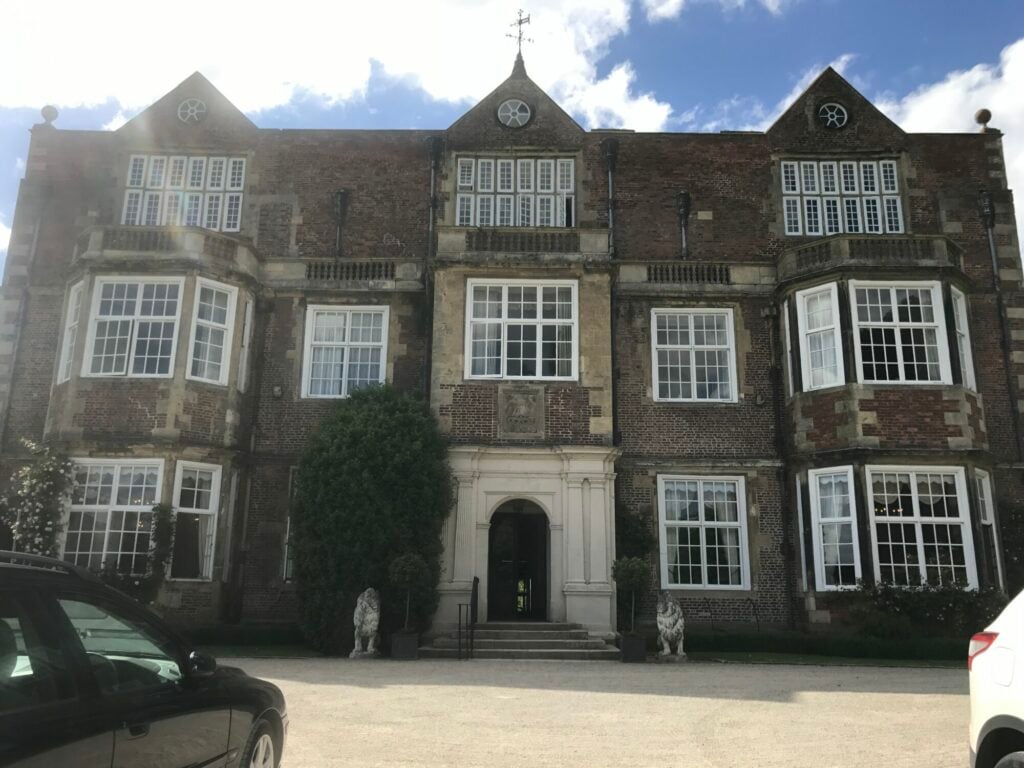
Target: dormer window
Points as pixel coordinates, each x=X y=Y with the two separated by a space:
x=834 y=197
x=195 y=191
x=515 y=192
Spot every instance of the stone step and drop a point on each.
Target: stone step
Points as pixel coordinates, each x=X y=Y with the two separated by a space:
x=490 y=643
x=523 y=634
x=528 y=626
x=527 y=654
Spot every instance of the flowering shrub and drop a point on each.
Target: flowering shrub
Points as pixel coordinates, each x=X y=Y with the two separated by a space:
x=33 y=508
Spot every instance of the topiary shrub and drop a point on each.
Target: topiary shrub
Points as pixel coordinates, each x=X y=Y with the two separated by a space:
x=409 y=572
x=373 y=482
x=632 y=575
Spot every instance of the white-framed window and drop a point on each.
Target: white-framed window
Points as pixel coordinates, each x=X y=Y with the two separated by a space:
x=920 y=525
x=243 y=355
x=703 y=524
x=828 y=197
x=787 y=347
x=963 y=338
x=110 y=515
x=72 y=311
x=531 y=192
x=154 y=184
x=213 y=321
x=693 y=355
x=133 y=327
x=834 y=528
x=821 y=350
x=345 y=349
x=900 y=332
x=521 y=329
x=196 y=506
x=987 y=518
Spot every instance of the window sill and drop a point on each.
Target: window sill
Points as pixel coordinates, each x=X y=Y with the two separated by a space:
x=667 y=401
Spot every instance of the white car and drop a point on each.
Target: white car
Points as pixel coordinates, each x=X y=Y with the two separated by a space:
x=995 y=660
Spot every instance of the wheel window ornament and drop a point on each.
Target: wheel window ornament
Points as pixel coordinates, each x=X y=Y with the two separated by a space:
x=191 y=110
x=514 y=113
x=833 y=115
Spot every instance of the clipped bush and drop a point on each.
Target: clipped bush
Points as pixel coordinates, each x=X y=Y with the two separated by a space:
x=632 y=575
x=886 y=612
x=408 y=572
x=373 y=482
x=633 y=535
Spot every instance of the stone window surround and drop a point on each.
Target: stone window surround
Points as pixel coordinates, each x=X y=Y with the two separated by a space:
x=690 y=311
x=945 y=341
x=88 y=308
x=745 y=560
x=817 y=522
x=471 y=283
x=213 y=512
x=967 y=536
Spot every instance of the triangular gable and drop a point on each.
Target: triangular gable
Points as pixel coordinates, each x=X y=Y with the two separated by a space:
x=219 y=123
x=801 y=127
x=549 y=125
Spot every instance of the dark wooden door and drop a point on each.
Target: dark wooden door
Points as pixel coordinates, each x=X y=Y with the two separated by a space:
x=517 y=572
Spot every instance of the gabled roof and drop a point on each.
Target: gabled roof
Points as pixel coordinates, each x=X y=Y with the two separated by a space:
x=549 y=124
x=800 y=125
x=221 y=122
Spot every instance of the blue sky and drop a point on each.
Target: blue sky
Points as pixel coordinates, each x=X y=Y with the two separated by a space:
x=693 y=65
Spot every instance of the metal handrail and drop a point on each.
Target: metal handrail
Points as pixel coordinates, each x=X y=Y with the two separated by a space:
x=469 y=625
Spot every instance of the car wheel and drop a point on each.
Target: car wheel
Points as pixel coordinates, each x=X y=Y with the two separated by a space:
x=1013 y=760
x=259 y=752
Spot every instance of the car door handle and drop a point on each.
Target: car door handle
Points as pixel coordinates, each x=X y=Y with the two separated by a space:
x=138 y=730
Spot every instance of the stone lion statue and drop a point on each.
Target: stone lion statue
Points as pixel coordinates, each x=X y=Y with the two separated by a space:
x=670 y=624
x=366 y=619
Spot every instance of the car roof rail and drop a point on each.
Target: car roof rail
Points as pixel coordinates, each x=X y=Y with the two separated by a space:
x=43 y=563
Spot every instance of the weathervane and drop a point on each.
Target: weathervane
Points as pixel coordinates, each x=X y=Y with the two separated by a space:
x=518 y=36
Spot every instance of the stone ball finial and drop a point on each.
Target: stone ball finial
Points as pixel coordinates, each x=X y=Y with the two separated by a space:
x=49 y=113
x=982 y=118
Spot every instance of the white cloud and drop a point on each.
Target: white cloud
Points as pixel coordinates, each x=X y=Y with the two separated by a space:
x=949 y=106
x=662 y=10
x=19 y=166
x=5 y=238
x=116 y=121
x=329 y=60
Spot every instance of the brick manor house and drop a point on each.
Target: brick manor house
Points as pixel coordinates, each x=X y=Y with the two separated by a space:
x=794 y=355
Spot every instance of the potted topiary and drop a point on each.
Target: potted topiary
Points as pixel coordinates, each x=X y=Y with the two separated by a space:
x=632 y=575
x=407 y=572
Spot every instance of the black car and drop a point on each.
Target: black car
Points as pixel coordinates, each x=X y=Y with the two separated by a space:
x=90 y=678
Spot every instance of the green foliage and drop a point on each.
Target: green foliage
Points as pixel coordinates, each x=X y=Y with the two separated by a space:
x=889 y=612
x=374 y=481
x=632 y=575
x=145 y=587
x=33 y=508
x=409 y=571
x=633 y=535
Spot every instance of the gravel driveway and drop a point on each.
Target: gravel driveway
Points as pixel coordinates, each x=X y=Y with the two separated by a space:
x=696 y=715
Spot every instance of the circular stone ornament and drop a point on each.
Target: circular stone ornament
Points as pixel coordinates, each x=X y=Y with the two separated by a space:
x=191 y=110
x=514 y=113
x=833 y=115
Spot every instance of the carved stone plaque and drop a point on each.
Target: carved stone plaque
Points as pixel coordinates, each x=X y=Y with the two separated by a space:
x=520 y=411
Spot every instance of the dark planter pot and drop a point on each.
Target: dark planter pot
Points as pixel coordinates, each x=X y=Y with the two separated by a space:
x=405 y=646
x=634 y=649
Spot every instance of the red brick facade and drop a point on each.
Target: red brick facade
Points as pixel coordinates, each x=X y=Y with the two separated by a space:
x=390 y=240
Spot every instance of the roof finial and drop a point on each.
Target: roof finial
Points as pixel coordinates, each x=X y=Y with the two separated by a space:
x=518 y=36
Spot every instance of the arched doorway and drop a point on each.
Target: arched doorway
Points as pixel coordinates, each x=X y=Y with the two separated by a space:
x=517 y=563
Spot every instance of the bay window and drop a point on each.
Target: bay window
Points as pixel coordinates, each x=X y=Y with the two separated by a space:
x=133 y=327
x=821 y=358
x=920 y=526
x=67 y=346
x=834 y=528
x=703 y=527
x=212 y=328
x=196 y=505
x=524 y=329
